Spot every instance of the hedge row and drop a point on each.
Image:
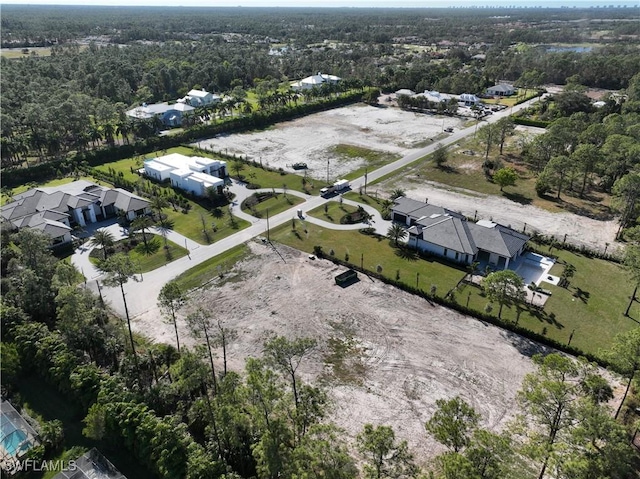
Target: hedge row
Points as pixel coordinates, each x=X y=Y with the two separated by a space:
x=527 y=333
x=529 y=122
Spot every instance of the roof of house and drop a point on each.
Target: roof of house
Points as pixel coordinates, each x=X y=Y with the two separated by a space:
x=91 y=465
x=45 y=207
x=501 y=87
x=198 y=93
x=448 y=229
x=149 y=111
x=417 y=209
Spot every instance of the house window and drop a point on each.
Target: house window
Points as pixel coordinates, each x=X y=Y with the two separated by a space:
x=456 y=256
x=446 y=252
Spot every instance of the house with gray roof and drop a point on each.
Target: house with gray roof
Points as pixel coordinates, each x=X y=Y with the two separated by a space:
x=445 y=233
x=169 y=114
x=501 y=89
x=57 y=210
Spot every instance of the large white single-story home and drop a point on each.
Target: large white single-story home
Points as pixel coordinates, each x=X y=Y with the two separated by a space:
x=194 y=174
x=57 y=210
x=501 y=89
x=169 y=114
x=314 y=81
x=448 y=234
x=197 y=98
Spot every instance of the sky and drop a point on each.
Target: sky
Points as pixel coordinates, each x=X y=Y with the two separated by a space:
x=331 y=3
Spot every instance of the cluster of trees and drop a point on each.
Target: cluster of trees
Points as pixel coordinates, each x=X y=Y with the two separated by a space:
x=183 y=415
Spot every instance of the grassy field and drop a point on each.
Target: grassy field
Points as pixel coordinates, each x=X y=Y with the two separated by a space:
x=13 y=53
x=204 y=272
x=373 y=252
x=334 y=211
x=262 y=178
x=373 y=159
x=152 y=257
x=190 y=224
x=592 y=307
x=48 y=403
x=274 y=205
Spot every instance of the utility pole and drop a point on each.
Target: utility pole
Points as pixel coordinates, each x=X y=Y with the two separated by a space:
x=327 y=172
x=366 y=171
x=268 y=239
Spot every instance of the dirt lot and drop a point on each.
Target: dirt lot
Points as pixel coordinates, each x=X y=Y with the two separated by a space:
x=310 y=139
x=401 y=352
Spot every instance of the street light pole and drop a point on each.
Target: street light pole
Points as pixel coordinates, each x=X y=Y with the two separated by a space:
x=268 y=239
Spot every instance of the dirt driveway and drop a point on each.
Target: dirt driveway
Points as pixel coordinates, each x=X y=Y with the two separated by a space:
x=394 y=354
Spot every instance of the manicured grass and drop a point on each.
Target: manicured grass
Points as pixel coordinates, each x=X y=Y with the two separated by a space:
x=263 y=178
x=591 y=307
x=334 y=212
x=204 y=272
x=47 y=402
x=373 y=159
x=33 y=51
x=373 y=251
x=148 y=259
x=276 y=204
x=366 y=199
x=190 y=224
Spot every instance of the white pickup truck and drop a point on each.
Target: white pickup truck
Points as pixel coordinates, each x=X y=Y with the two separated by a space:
x=338 y=186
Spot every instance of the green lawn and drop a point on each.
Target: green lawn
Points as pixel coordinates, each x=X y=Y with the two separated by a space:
x=373 y=252
x=150 y=258
x=190 y=224
x=592 y=306
x=334 y=211
x=206 y=271
x=373 y=159
x=48 y=403
x=262 y=178
x=367 y=199
x=274 y=205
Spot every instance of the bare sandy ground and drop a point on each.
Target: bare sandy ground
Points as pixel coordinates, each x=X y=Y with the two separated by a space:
x=310 y=139
x=413 y=353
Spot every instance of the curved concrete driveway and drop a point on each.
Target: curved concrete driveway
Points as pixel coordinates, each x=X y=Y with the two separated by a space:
x=142 y=296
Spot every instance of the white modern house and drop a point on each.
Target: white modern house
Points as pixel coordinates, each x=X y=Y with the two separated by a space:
x=314 y=81
x=448 y=234
x=194 y=174
x=57 y=210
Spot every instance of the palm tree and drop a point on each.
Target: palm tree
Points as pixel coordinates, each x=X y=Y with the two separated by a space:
x=141 y=223
x=157 y=203
x=396 y=233
x=397 y=193
x=104 y=239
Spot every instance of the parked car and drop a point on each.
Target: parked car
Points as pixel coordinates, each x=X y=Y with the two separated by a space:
x=449 y=129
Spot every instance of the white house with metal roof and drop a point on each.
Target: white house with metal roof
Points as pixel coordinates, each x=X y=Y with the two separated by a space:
x=194 y=174
x=57 y=210
x=314 y=81
x=197 y=98
x=448 y=234
x=169 y=114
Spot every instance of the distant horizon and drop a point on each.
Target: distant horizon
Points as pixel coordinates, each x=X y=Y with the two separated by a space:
x=334 y=3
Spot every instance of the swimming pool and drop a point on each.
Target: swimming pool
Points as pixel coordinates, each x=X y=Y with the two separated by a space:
x=12 y=439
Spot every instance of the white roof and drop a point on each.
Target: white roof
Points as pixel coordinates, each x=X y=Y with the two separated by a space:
x=157 y=165
x=486 y=223
x=181 y=172
x=206 y=180
x=198 y=93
